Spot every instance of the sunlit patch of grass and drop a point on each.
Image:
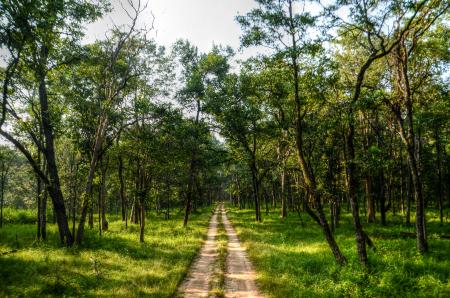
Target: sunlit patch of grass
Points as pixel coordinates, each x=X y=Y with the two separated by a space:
x=295 y=261
x=113 y=265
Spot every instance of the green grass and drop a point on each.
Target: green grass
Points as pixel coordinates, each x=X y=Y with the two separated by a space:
x=295 y=261
x=23 y=216
x=113 y=265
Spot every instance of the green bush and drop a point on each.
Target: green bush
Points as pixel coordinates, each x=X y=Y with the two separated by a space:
x=19 y=216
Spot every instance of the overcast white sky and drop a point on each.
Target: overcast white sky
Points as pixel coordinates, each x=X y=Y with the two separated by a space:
x=203 y=22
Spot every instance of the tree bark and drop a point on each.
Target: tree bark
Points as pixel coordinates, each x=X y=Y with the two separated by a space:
x=87 y=195
x=351 y=169
x=409 y=140
x=307 y=175
x=54 y=188
x=142 y=226
x=4 y=174
x=439 y=173
x=42 y=207
x=122 y=190
x=103 y=197
x=370 y=200
x=192 y=168
x=255 y=180
x=38 y=199
x=283 y=193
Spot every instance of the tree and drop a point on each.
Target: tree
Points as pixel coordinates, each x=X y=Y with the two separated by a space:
x=368 y=22
x=198 y=70
x=40 y=37
x=285 y=28
x=6 y=157
x=235 y=108
x=120 y=61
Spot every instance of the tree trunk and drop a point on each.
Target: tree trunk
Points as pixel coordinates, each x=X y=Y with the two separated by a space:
x=409 y=141
x=351 y=169
x=38 y=199
x=102 y=198
x=382 y=197
x=312 y=190
x=122 y=189
x=439 y=173
x=87 y=195
x=408 y=200
x=255 y=186
x=142 y=226
x=74 y=200
x=54 y=188
x=189 y=193
x=91 y=213
x=42 y=207
x=307 y=175
x=322 y=221
x=99 y=209
x=370 y=200
x=283 y=193
x=4 y=175
x=403 y=87
x=238 y=184
x=192 y=169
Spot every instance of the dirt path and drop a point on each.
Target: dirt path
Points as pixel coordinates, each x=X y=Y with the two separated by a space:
x=197 y=282
x=239 y=277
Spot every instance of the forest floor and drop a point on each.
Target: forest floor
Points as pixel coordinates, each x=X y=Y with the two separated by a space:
x=236 y=275
x=115 y=264
x=291 y=258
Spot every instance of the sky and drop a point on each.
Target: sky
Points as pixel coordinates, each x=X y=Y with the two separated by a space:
x=203 y=22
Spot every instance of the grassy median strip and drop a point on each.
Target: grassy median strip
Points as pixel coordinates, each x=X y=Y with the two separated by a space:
x=218 y=278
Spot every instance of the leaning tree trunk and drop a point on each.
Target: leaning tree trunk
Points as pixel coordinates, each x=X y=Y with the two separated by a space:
x=87 y=194
x=54 y=188
x=319 y=215
x=307 y=175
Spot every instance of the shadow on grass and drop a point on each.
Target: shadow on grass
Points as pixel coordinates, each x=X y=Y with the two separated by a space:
x=295 y=261
x=114 y=265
